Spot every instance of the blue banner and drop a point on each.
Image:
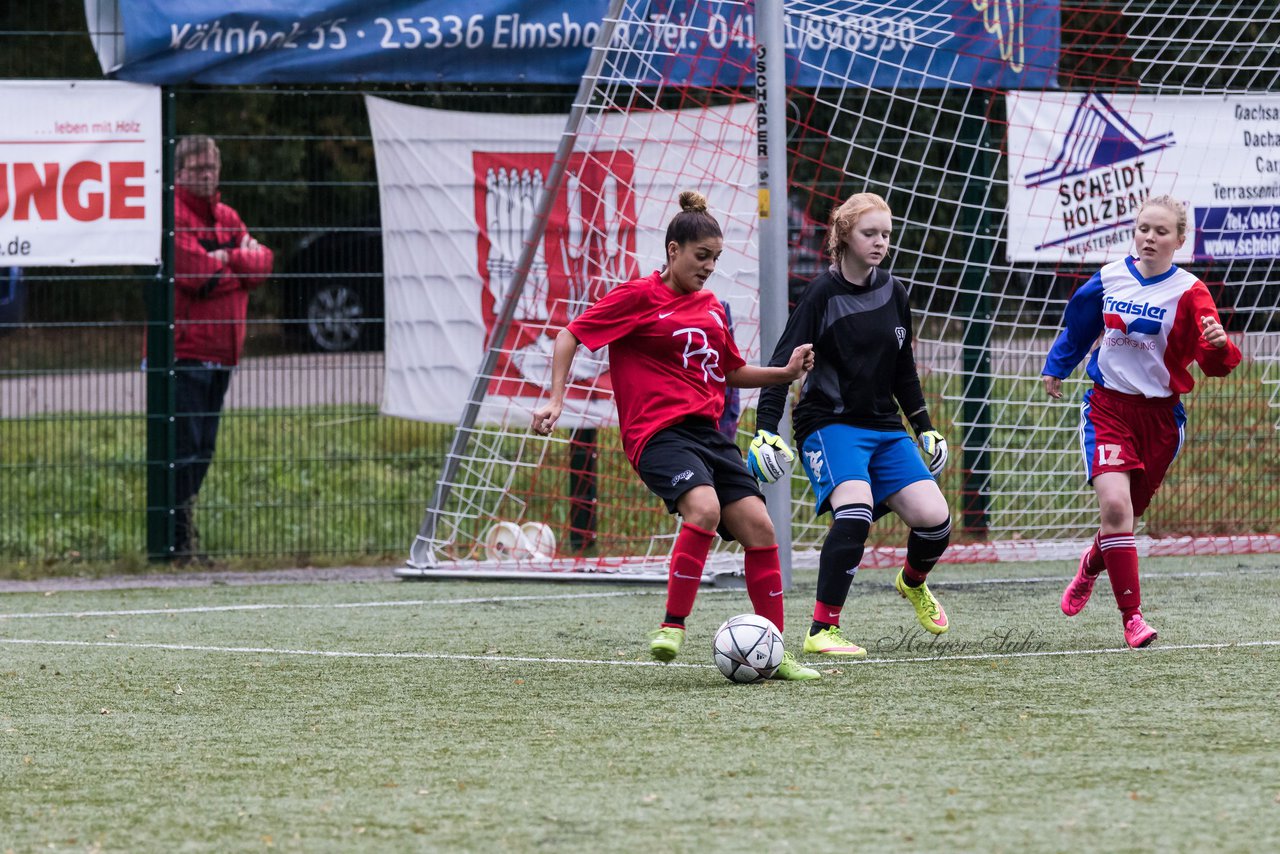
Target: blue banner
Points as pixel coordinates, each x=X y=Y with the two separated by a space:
x=887 y=44
x=1237 y=232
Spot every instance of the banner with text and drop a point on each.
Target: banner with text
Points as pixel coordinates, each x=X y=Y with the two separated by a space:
x=907 y=44
x=458 y=192
x=79 y=173
x=1081 y=164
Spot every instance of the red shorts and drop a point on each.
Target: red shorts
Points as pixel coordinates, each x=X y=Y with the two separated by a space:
x=1125 y=432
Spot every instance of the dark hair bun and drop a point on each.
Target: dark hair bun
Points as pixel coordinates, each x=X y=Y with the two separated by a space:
x=692 y=201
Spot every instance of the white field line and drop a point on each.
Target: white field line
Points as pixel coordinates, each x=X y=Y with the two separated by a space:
x=940 y=584
x=515 y=659
x=391 y=603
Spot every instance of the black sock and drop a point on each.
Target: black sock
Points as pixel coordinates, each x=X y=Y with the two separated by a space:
x=842 y=552
x=924 y=547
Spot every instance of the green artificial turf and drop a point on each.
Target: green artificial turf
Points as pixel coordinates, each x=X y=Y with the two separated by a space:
x=503 y=716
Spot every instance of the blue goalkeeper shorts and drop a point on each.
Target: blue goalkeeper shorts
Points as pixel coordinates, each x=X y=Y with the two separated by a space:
x=837 y=453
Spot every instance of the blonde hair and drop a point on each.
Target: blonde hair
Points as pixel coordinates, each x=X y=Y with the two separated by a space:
x=845 y=217
x=1169 y=203
x=693 y=223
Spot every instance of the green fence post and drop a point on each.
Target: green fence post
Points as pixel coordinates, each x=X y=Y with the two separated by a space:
x=160 y=379
x=976 y=307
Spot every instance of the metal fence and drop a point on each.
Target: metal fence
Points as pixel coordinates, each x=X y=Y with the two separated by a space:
x=306 y=467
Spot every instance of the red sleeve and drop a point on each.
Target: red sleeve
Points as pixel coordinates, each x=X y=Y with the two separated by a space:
x=612 y=316
x=195 y=269
x=1196 y=304
x=251 y=266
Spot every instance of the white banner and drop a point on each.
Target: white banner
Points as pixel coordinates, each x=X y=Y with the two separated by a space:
x=458 y=191
x=79 y=173
x=1080 y=164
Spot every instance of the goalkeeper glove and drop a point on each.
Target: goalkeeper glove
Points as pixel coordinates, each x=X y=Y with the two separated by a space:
x=766 y=456
x=933 y=446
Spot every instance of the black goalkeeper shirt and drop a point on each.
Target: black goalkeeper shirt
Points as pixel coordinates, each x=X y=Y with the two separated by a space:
x=864 y=367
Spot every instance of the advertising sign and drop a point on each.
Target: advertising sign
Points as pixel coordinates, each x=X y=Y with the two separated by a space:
x=907 y=44
x=458 y=192
x=1080 y=165
x=79 y=173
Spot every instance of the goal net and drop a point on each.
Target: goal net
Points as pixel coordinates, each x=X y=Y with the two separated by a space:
x=1014 y=174
x=1013 y=141
x=668 y=107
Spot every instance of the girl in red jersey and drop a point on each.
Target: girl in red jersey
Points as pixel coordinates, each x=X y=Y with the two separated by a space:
x=671 y=356
x=1154 y=319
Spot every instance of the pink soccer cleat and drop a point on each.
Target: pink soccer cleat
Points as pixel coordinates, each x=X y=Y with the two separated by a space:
x=1136 y=631
x=1077 y=594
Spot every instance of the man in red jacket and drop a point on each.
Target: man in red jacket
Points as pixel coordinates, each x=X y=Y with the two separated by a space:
x=216 y=264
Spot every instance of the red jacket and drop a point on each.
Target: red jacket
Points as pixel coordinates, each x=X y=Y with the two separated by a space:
x=211 y=298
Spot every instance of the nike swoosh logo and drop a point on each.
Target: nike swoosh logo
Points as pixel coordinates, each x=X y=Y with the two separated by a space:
x=688 y=577
x=775 y=593
x=668 y=314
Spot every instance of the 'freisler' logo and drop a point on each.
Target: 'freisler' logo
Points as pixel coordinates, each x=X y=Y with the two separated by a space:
x=1129 y=317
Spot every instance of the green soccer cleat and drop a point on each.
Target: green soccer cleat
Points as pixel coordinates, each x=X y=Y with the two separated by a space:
x=665 y=643
x=831 y=642
x=928 y=609
x=791 y=670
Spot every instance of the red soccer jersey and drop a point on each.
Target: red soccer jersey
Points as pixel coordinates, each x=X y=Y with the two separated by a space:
x=668 y=355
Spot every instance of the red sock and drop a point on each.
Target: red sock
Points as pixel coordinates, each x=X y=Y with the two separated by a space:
x=764 y=583
x=913 y=576
x=1120 y=553
x=687 y=560
x=1093 y=564
x=829 y=614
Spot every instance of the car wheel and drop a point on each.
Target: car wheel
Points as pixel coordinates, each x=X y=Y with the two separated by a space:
x=337 y=318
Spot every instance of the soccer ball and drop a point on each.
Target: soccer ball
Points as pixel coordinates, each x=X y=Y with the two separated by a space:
x=748 y=648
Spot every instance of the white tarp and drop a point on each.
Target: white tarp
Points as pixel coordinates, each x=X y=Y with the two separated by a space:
x=79 y=173
x=1081 y=163
x=457 y=193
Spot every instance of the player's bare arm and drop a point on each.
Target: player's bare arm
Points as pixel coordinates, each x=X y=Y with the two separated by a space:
x=546 y=416
x=754 y=376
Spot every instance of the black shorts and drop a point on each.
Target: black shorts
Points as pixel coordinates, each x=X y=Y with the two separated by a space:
x=694 y=453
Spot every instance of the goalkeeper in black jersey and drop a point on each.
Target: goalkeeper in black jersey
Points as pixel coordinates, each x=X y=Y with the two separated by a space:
x=848 y=422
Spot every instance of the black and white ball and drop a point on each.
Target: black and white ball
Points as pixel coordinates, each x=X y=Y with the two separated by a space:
x=748 y=648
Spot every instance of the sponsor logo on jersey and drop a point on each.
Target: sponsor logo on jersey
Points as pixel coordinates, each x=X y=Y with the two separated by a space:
x=901 y=332
x=1141 y=318
x=698 y=346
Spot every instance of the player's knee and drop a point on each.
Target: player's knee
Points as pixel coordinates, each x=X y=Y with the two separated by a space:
x=1116 y=515
x=929 y=542
x=700 y=506
x=850 y=524
x=755 y=531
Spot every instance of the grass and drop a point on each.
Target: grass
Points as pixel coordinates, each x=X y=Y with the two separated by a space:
x=296 y=485
x=521 y=717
